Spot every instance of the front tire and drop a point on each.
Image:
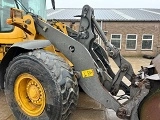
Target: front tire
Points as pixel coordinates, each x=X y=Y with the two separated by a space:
x=40 y=85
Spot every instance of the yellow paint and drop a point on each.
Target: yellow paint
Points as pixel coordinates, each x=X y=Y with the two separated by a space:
x=29 y=94
x=1 y=56
x=23 y=31
x=39 y=37
x=60 y=26
x=25 y=22
x=17 y=35
x=87 y=73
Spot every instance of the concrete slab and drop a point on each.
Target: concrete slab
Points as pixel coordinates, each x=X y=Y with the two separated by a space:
x=111 y=115
x=88 y=109
x=5 y=112
x=87 y=102
x=88 y=114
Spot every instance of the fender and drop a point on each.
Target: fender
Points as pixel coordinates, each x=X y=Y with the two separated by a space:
x=17 y=49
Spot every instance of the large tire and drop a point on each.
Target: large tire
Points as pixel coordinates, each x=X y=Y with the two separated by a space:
x=54 y=80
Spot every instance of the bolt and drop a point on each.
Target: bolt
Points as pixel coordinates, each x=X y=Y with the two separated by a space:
x=72 y=48
x=122 y=113
x=29 y=83
x=124 y=67
x=111 y=53
x=28 y=21
x=77 y=74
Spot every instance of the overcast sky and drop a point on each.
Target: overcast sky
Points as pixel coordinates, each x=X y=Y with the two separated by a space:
x=106 y=3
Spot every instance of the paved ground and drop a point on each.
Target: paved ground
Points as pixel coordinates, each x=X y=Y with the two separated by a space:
x=87 y=108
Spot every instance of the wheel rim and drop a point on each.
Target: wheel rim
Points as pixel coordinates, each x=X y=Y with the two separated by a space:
x=150 y=109
x=29 y=94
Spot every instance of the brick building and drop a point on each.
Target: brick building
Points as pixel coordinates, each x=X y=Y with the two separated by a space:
x=136 y=32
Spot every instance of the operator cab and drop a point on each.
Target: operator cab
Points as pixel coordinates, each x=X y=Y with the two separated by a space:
x=10 y=34
x=33 y=6
x=5 y=6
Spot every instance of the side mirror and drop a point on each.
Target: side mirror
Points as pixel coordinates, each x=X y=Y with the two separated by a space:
x=53 y=4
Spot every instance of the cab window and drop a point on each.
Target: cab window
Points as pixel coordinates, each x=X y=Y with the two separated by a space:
x=5 y=6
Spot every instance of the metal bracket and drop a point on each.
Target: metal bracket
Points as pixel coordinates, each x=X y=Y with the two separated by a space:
x=129 y=109
x=86 y=33
x=118 y=78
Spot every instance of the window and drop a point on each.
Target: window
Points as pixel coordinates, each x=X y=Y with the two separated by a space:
x=31 y=5
x=5 y=6
x=147 y=41
x=36 y=7
x=116 y=40
x=131 y=42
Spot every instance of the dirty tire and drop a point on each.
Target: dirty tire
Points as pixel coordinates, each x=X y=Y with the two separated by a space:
x=56 y=77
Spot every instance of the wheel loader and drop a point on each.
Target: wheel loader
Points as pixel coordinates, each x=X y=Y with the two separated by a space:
x=43 y=65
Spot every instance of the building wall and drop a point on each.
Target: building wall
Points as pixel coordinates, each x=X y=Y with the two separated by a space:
x=138 y=28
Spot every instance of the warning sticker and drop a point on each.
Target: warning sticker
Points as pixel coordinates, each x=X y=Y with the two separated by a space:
x=87 y=73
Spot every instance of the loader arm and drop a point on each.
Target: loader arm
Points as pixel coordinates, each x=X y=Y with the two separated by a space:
x=79 y=56
x=87 y=28
x=125 y=68
x=139 y=85
x=80 y=52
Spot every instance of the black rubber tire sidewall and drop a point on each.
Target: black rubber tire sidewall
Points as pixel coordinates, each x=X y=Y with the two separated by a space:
x=30 y=64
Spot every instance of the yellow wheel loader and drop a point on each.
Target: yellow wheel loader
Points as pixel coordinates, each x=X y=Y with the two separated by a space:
x=43 y=65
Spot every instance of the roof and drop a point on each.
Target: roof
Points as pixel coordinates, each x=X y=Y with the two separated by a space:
x=106 y=14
